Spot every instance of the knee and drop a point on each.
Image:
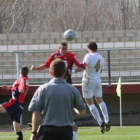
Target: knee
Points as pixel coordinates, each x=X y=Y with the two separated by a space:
x=75 y=128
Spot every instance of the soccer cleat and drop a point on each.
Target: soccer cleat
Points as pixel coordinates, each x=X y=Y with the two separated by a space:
x=29 y=124
x=103 y=128
x=108 y=126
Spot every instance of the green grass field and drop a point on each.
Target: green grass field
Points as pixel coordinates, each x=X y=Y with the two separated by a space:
x=90 y=133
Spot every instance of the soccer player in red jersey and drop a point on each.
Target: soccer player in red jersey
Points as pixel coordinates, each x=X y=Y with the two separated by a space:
x=70 y=59
x=14 y=107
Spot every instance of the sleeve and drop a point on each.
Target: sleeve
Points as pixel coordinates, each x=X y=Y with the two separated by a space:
x=77 y=61
x=86 y=59
x=36 y=103
x=48 y=61
x=78 y=101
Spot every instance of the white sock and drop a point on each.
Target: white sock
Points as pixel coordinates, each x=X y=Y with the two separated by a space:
x=95 y=113
x=104 y=111
x=74 y=135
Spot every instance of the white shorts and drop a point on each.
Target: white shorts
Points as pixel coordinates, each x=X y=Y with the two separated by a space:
x=91 y=88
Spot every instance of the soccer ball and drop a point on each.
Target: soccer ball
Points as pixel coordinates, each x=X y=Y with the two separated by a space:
x=69 y=35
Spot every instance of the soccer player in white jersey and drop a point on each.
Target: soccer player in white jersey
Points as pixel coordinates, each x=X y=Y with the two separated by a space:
x=92 y=85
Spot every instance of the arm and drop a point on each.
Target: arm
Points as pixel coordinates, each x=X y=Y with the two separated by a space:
x=45 y=65
x=81 y=68
x=79 y=105
x=25 y=93
x=35 y=122
x=84 y=64
x=6 y=87
x=80 y=112
x=40 y=67
x=78 y=69
x=78 y=63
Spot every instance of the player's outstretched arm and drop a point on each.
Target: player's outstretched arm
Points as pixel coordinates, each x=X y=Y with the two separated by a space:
x=40 y=67
x=78 y=69
x=6 y=87
x=25 y=93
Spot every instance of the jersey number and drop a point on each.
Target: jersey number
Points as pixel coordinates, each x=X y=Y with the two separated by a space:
x=97 y=66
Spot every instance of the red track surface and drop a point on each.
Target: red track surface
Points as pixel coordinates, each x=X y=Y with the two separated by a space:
x=126 y=89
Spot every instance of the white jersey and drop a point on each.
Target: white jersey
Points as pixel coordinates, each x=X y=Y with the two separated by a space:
x=95 y=63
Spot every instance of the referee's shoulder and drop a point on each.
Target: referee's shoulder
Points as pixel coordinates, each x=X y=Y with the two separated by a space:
x=71 y=86
x=43 y=86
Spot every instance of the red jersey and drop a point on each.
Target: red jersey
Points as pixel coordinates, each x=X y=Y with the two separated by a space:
x=20 y=84
x=70 y=58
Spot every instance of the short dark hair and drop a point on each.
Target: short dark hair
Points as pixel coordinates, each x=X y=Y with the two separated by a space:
x=92 y=45
x=64 y=43
x=58 y=68
x=24 y=71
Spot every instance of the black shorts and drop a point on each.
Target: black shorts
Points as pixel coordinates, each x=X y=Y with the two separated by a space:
x=55 y=133
x=14 y=109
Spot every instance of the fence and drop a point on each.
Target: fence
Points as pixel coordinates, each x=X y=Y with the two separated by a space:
x=119 y=62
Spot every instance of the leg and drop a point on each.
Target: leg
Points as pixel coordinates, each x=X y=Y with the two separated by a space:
x=16 y=120
x=94 y=111
x=17 y=130
x=74 y=128
x=16 y=126
x=104 y=111
x=89 y=88
x=103 y=108
x=2 y=109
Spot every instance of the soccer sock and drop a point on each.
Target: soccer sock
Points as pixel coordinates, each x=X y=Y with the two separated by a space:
x=94 y=111
x=19 y=135
x=74 y=135
x=104 y=111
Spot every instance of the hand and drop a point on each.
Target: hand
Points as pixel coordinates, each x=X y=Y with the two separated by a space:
x=33 y=67
x=70 y=71
x=66 y=74
x=33 y=137
x=5 y=87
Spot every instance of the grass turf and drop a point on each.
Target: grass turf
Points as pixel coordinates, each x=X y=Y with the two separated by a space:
x=90 y=133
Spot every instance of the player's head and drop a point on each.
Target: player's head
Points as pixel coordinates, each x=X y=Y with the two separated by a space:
x=24 y=71
x=92 y=46
x=63 y=47
x=57 y=68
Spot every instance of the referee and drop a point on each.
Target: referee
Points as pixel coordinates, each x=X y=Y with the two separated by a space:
x=52 y=106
